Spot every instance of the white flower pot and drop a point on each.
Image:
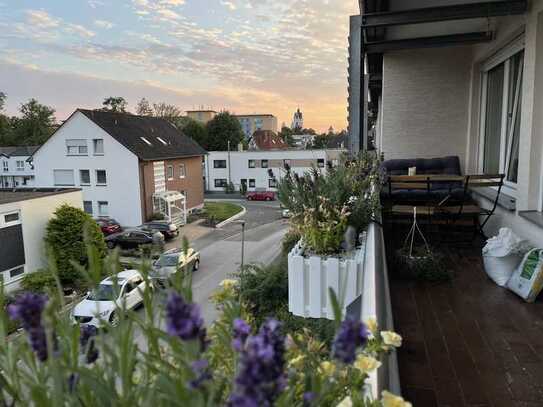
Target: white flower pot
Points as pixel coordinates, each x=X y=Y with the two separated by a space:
x=310 y=277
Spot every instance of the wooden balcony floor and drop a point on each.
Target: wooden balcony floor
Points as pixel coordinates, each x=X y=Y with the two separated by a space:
x=468 y=342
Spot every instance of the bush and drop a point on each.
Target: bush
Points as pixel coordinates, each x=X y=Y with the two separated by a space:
x=157 y=216
x=289 y=241
x=40 y=281
x=65 y=239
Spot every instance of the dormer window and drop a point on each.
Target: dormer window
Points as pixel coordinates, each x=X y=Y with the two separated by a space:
x=146 y=141
x=162 y=141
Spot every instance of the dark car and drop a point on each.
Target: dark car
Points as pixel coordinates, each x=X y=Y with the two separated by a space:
x=109 y=226
x=168 y=229
x=130 y=239
x=261 y=196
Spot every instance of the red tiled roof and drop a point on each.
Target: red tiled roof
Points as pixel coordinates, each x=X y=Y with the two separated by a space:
x=268 y=140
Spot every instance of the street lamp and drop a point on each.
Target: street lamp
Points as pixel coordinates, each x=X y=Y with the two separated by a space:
x=242 y=223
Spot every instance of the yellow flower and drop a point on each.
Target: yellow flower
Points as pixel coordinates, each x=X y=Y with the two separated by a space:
x=366 y=364
x=372 y=325
x=390 y=400
x=297 y=362
x=391 y=338
x=229 y=283
x=346 y=402
x=327 y=368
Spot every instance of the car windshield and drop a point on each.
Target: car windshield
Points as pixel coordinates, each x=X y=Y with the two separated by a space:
x=104 y=292
x=168 y=261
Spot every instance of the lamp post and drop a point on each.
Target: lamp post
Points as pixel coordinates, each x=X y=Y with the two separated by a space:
x=242 y=223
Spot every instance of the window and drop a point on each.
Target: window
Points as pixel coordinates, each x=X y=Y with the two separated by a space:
x=87 y=207
x=146 y=141
x=103 y=208
x=220 y=183
x=17 y=271
x=162 y=141
x=76 y=147
x=101 y=178
x=272 y=183
x=169 y=172
x=219 y=163
x=64 y=178
x=286 y=163
x=252 y=183
x=84 y=177
x=243 y=181
x=501 y=112
x=5 y=166
x=264 y=163
x=98 y=145
x=182 y=170
x=20 y=165
x=252 y=163
x=11 y=217
x=320 y=162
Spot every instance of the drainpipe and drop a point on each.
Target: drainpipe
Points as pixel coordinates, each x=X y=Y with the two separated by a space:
x=229 y=162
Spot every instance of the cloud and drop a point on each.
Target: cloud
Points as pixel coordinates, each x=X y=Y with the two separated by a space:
x=104 y=24
x=41 y=19
x=228 y=4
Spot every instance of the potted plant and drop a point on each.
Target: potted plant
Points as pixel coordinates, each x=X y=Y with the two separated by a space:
x=330 y=211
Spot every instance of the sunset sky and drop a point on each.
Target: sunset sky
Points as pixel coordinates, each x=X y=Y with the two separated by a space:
x=246 y=56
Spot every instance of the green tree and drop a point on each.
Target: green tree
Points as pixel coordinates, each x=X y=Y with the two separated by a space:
x=166 y=111
x=34 y=126
x=221 y=129
x=2 y=100
x=286 y=134
x=320 y=141
x=65 y=236
x=198 y=132
x=115 y=104
x=143 y=108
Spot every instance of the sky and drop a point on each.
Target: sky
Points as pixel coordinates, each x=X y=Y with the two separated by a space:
x=244 y=56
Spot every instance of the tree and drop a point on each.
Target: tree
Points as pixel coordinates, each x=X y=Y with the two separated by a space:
x=115 y=104
x=35 y=126
x=320 y=141
x=166 y=111
x=2 y=100
x=221 y=129
x=198 y=132
x=143 y=108
x=286 y=134
x=65 y=236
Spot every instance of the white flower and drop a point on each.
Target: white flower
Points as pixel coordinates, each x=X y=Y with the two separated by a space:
x=371 y=323
x=327 y=368
x=366 y=364
x=391 y=338
x=346 y=402
x=391 y=400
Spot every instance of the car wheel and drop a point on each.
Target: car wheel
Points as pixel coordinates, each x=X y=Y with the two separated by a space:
x=111 y=244
x=114 y=319
x=196 y=266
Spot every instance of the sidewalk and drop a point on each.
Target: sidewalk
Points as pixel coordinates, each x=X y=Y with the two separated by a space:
x=223 y=195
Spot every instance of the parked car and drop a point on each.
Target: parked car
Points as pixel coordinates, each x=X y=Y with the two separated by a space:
x=109 y=226
x=285 y=213
x=173 y=261
x=99 y=306
x=131 y=239
x=260 y=196
x=168 y=229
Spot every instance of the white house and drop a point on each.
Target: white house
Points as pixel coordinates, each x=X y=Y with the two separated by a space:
x=24 y=213
x=125 y=164
x=255 y=168
x=459 y=78
x=16 y=168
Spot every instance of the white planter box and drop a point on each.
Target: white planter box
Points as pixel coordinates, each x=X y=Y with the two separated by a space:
x=310 y=277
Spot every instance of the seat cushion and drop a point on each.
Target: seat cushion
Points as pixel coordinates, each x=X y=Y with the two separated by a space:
x=444 y=165
x=418 y=195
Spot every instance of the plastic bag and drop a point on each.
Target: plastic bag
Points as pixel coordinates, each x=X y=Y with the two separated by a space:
x=527 y=281
x=502 y=255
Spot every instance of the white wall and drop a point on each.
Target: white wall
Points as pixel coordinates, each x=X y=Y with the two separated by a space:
x=34 y=215
x=123 y=189
x=239 y=167
x=7 y=178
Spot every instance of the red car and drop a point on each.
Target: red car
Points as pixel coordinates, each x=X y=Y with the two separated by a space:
x=261 y=196
x=109 y=226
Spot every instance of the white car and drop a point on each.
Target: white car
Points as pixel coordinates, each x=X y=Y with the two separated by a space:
x=100 y=304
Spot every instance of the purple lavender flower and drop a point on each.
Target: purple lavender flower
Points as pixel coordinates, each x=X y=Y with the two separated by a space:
x=352 y=334
x=308 y=398
x=242 y=330
x=28 y=309
x=260 y=377
x=200 y=369
x=184 y=321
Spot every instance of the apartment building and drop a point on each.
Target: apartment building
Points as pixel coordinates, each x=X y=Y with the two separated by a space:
x=24 y=213
x=202 y=116
x=16 y=168
x=260 y=170
x=128 y=166
x=253 y=122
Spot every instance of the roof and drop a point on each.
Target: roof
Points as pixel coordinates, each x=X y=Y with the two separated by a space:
x=150 y=138
x=122 y=276
x=18 y=151
x=200 y=111
x=254 y=115
x=10 y=195
x=268 y=140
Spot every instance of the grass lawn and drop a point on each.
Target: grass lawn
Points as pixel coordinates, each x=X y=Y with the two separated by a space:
x=221 y=210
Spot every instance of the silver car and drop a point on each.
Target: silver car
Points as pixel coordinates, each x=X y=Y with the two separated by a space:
x=173 y=261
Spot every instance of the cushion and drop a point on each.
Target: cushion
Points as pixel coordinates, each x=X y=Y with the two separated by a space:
x=444 y=165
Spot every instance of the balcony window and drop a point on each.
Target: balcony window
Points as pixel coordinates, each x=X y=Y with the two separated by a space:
x=63 y=178
x=219 y=163
x=20 y=165
x=84 y=177
x=103 y=208
x=101 y=177
x=98 y=146
x=87 y=207
x=76 y=147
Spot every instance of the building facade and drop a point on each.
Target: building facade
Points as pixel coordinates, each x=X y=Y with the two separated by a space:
x=260 y=170
x=121 y=161
x=297 y=120
x=202 y=116
x=253 y=122
x=24 y=214
x=16 y=168
x=466 y=80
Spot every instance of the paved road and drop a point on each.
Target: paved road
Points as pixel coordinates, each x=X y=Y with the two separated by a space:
x=220 y=252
